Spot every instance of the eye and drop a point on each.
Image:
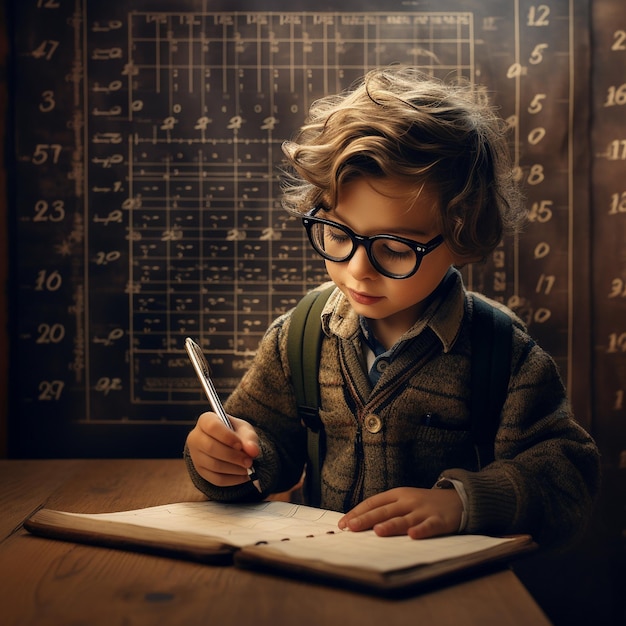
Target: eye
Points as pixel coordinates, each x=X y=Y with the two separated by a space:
x=394 y=250
x=335 y=234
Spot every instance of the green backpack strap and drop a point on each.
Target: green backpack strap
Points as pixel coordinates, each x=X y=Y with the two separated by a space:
x=304 y=341
x=491 y=336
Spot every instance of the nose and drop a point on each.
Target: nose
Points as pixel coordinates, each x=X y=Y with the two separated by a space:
x=360 y=265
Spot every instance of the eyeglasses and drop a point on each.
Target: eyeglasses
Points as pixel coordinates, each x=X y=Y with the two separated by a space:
x=391 y=256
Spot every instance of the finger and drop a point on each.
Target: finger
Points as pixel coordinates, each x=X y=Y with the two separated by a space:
x=212 y=463
x=211 y=425
x=372 y=511
x=432 y=526
x=247 y=435
x=223 y=480
x=218 y=472
x=207 y=450
x=394 y=526
x=416 y=524
x=241 y=438
x=371 y=503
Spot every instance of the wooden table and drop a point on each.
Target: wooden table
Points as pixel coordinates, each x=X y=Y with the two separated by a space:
x=46 y=582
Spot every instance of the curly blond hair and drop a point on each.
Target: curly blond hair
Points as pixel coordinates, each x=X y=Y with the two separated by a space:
x=400 y=123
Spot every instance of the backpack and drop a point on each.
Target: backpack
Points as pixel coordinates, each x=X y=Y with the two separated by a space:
x=491 y=335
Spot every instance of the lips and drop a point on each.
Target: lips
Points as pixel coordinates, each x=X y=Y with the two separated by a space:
x=364 y=298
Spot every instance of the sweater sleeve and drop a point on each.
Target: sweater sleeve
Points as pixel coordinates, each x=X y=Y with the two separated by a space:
x=264 y=397
x=546 y=470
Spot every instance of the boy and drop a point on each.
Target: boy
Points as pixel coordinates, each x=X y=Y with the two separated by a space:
x=398 y=182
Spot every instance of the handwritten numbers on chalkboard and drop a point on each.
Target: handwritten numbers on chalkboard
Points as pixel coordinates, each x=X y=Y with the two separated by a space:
x=538 y=15
x=618 y=288
x=536 y=104
x=169 y=123
x=48 y=281
x=111 y=338
x=618 y=203
x=536 y=174
x=104 y=258
x=540 y=211
x=545 y=284
x=616 y=150
x=47 y=103
x=148 y=154
x=114 y=85
x=536 y=135
x=542 y=250
x=616 y=153
x=516 y=70
x=49 y=212
x=616 y=96
x=537 y=55
x=45 y=49
x=235 y=122
x=617 y=342
x=107 y=26
x=114 y=216
x=269 y=123
x=50 y=390
x=107 y=54
x=619 y=40
x=45 y=151
x=203 y=123
x=50 y=333
x=105 y=385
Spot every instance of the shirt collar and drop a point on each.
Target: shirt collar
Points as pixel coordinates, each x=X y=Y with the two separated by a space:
x=443 y=315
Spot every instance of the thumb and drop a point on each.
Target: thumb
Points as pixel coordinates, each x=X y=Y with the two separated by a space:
x=248 y=436
x=251 y=447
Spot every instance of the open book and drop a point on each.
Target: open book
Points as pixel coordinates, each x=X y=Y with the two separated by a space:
x=282 y=537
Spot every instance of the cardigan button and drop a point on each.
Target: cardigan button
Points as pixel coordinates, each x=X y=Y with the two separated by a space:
x=373 y=423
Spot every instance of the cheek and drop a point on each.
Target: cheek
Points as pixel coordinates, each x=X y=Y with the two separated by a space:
x=424 y=282
x=408 y=292
x=333 y=270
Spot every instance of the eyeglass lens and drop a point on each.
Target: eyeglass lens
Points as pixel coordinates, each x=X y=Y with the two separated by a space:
x=393 y=257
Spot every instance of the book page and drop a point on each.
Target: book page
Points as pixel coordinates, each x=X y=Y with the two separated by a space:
x=236 y=524
x=365 y=550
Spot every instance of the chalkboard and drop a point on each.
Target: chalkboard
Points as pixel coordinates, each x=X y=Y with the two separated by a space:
x=146 y=199
x=608 y=150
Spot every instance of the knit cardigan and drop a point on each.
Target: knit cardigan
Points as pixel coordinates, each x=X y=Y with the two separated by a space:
x=413 y=427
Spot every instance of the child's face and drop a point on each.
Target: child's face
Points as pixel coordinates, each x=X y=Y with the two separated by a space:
x=373 y=206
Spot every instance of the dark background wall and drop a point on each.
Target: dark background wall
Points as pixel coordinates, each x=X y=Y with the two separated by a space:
x=141 y=205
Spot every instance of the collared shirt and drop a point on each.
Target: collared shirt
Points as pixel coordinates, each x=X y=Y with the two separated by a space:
x=376 y=356
x=443 y=315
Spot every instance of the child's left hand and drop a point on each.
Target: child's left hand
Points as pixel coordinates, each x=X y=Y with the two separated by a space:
x=419 y=513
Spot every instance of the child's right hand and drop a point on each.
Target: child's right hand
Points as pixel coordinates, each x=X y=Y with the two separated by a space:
x=221 y=456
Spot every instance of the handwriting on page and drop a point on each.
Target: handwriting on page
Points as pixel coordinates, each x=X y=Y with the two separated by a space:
x=367 y=551
x=236 y=524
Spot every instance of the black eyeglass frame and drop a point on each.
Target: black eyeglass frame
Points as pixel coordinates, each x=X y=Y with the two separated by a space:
x=420 y=249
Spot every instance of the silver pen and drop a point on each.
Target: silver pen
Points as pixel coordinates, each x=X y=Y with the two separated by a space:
x=203 y=371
